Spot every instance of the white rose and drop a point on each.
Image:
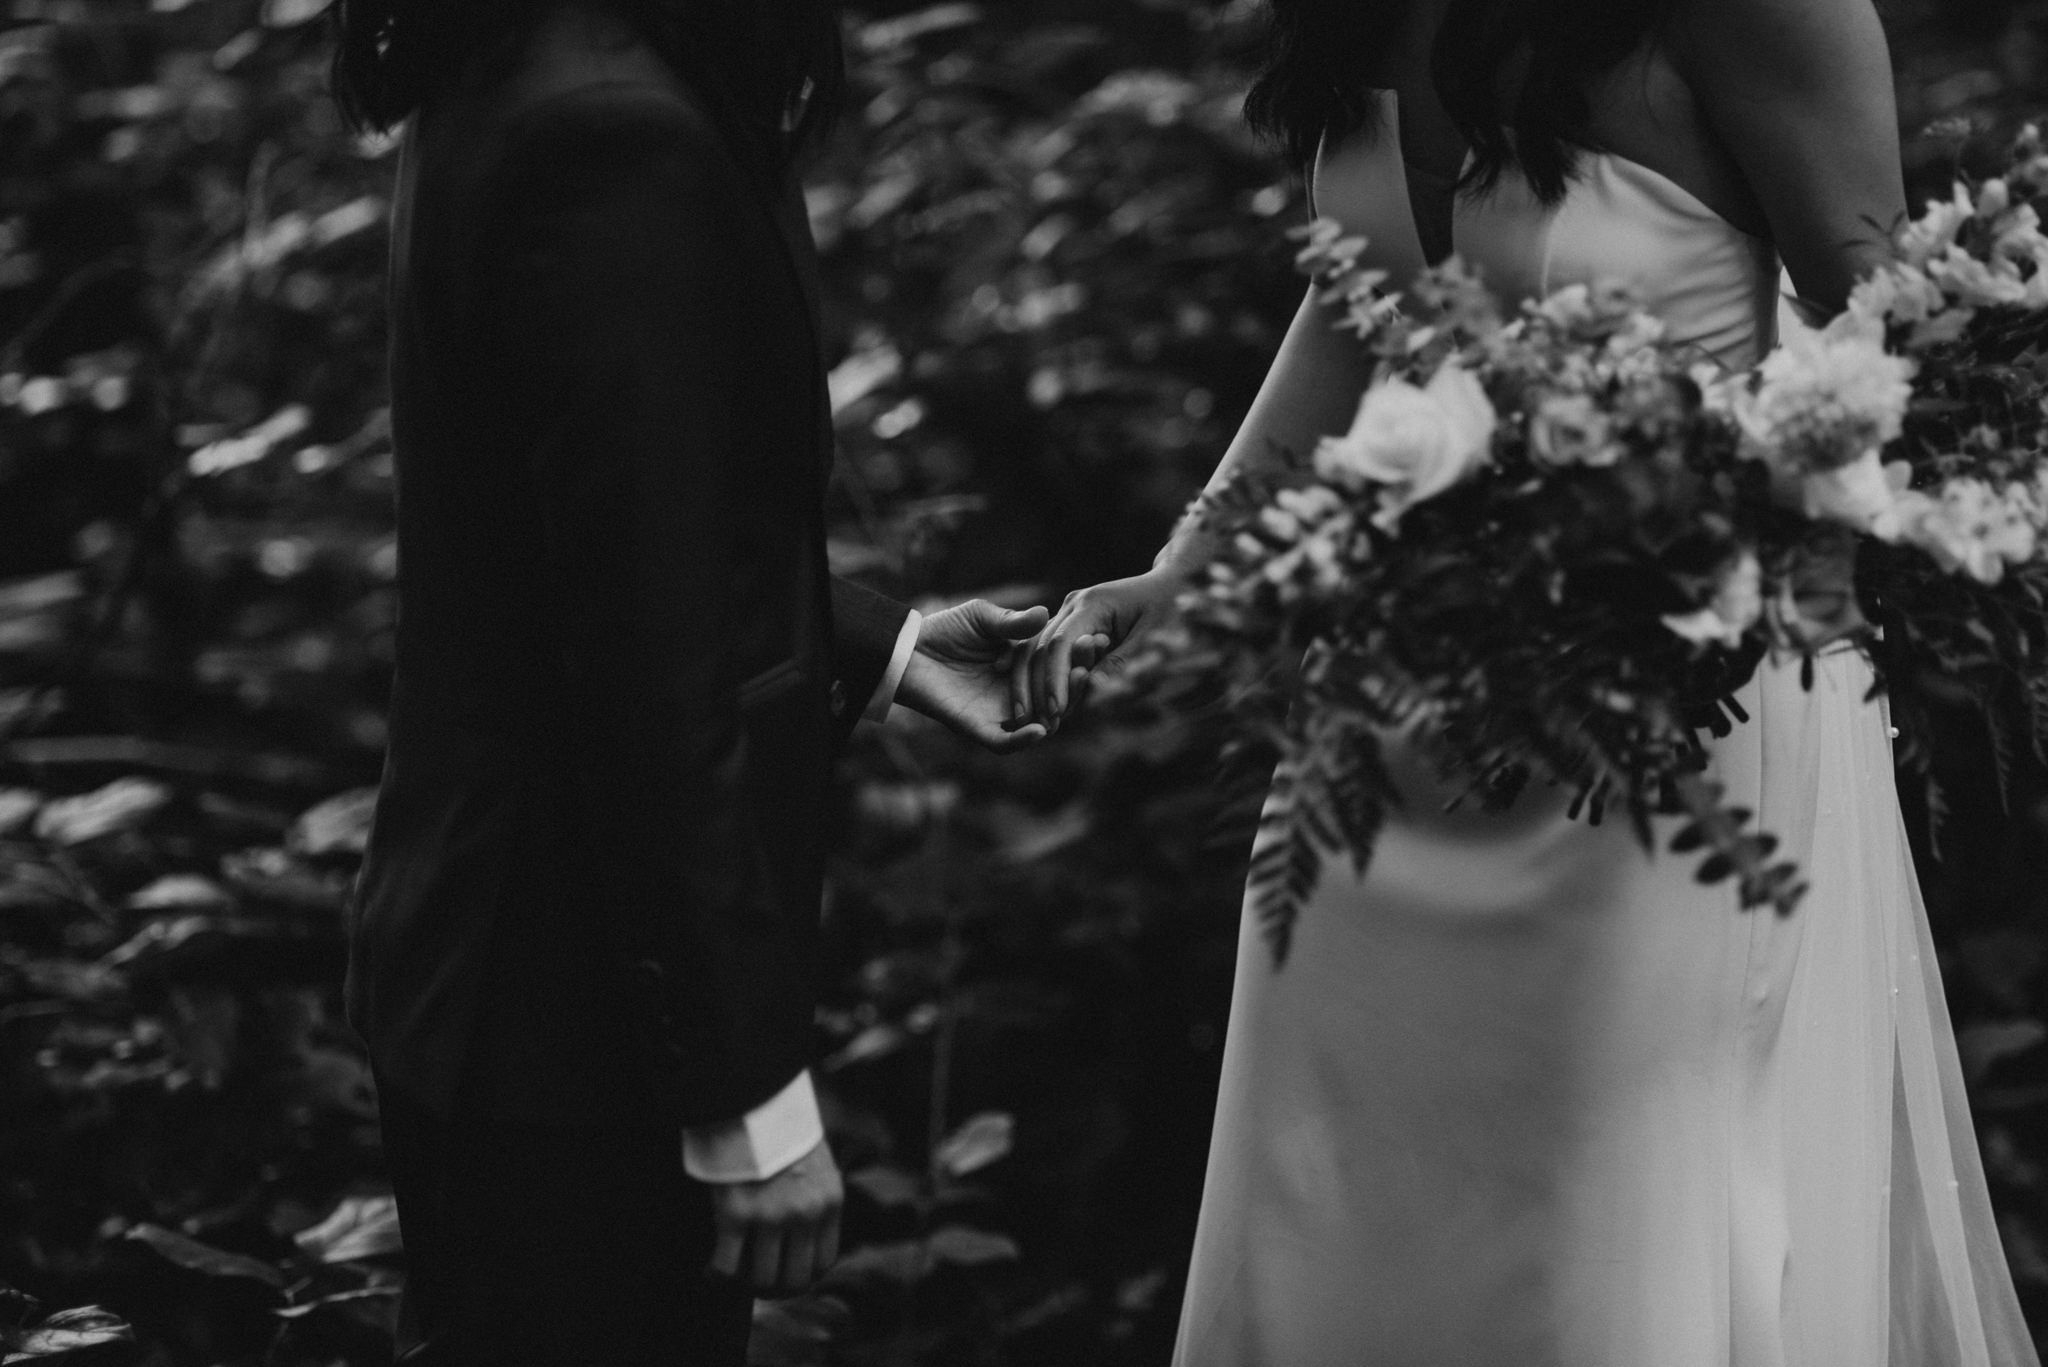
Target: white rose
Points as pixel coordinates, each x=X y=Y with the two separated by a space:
x=1857 y=495
x=1414 y=443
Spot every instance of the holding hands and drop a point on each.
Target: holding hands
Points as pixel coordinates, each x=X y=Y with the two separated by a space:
x=1093 y=630
x=1006 y=680
x=959 y=673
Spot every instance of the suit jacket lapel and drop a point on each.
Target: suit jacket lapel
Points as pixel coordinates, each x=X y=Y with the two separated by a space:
x=778 y=192
x=793 y=224
x=780 y=197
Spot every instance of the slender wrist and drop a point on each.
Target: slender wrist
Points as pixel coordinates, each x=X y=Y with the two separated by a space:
x=1184 y=555
x=1191 y=544
x=909 y=693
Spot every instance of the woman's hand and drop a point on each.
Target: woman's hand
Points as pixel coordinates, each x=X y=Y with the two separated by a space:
x=1093 y=630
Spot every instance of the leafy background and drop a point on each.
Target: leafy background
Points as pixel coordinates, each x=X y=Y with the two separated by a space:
x=1055 y=270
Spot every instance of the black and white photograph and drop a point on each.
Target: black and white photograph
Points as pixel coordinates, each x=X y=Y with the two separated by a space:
x=1023 y=683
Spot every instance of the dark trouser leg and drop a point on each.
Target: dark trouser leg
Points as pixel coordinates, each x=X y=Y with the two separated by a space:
x=554 y=1246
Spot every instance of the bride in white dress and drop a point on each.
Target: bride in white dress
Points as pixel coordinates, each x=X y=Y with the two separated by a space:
x=1526 y=1095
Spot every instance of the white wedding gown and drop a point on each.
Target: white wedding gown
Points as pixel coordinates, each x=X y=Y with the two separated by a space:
x=1528 y=1096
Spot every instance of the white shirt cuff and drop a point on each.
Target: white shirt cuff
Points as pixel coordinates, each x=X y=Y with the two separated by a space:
x=892 y=677
x=760 y=1143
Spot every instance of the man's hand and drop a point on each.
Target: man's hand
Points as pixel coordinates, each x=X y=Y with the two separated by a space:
x=782 y=1234
x=960 y=672
x=1095 y=629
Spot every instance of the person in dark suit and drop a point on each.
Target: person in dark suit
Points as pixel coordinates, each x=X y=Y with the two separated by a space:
x=586 y=919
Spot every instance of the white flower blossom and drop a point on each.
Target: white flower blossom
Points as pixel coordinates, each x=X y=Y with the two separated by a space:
x=1825 y=397
x=1572 y=304
x=1935 y=229
x=1978 y=284
x=1942 y=328
x=1638 y=335
x=1570 y=429
x=1858 y=494
x=1897 y=293
x=2019 y=232
x=1970 y=527
x=1412 y=442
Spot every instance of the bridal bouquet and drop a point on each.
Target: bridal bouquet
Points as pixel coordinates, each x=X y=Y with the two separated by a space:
x=1551 y=547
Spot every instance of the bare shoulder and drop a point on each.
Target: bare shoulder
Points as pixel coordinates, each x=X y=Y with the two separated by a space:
x=1800 y=94
x=1761 y=46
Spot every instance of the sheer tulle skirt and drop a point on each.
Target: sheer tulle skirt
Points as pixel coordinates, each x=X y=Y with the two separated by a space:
x=1528 y=1095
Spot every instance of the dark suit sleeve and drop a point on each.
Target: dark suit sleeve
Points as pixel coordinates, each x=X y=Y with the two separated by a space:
x=614 y=279
x=865 y=625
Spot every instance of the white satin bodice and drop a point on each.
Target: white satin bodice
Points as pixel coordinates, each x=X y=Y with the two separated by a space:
x=1714 y=286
